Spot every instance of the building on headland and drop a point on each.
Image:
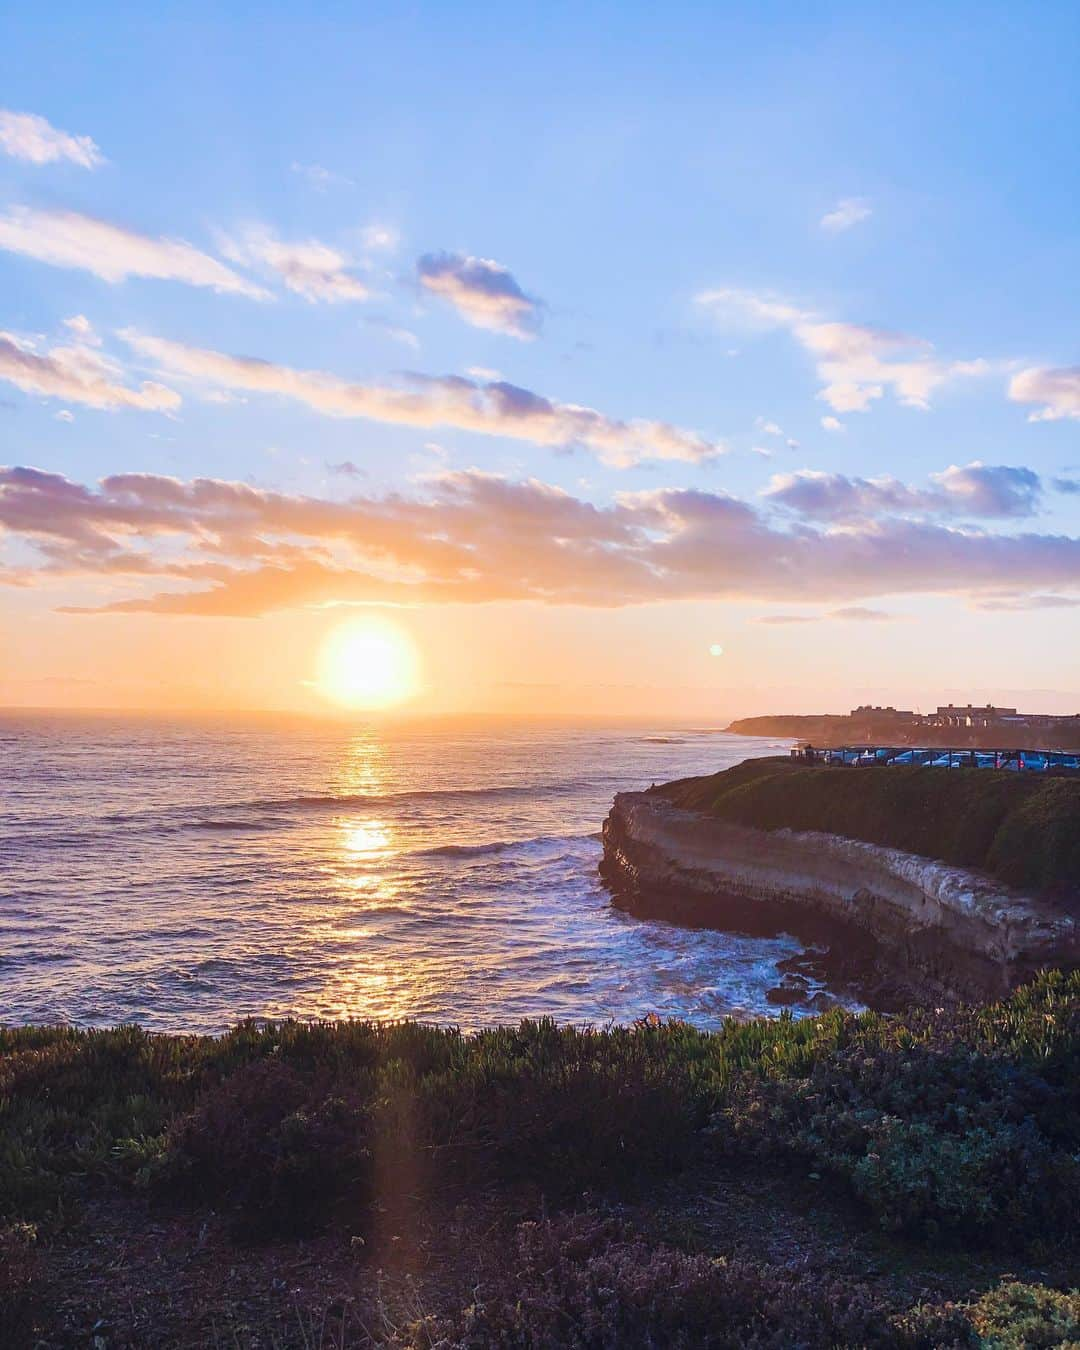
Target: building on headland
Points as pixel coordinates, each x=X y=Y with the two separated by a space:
x=956 y=725
x=963 y=717
x=968 y=715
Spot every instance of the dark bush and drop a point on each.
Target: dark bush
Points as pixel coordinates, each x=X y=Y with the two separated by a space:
x=585 y=1284
x=564 y=1110
x=280 y=1147
x=961 y=1125
x=20 y=1272
x=951 y=1145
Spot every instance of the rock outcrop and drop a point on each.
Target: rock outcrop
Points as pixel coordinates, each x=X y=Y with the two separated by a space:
x=892 y=925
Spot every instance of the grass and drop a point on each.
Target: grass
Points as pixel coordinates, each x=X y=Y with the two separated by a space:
x=956 y=1131
x=1023 y=829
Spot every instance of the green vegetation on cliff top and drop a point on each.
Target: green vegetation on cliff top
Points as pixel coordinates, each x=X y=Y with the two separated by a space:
x=1023 y=829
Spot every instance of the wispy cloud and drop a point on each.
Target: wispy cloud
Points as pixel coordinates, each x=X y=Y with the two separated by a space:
x=395 y=332
x=858 y=363
x=307 y=267
x=29 y=137
x=319 y=177
x=1018 y=604
x=847 y=212
x=492 y=409
x=378 y=238
x=206 y=546
x=975 y=489
x=113 y=253
x=846 y=614
x=1057 y=390
x=78 y=373
x=861 y=614
x=483 y=292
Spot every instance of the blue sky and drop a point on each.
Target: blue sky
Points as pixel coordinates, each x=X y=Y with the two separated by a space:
x=844 y=237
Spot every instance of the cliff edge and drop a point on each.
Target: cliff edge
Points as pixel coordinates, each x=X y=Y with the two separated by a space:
x=894 y=924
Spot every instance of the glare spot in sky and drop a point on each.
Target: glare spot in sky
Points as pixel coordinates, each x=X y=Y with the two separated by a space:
x=716 y=650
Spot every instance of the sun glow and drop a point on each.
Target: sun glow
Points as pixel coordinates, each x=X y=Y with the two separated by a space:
x=368 y=663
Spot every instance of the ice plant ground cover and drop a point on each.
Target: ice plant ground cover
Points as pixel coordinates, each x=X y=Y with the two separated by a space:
x=852 y=1179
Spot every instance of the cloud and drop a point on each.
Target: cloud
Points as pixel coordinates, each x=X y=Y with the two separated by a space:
x=318 y=177
x=405 y=336
x=847 y=212
x=82 y=330
x=347 y=469
x=78 y=374
x=309 y=268
x=978 y=489
x=860 y=614
x=832 y=423
x=156 y=544
x=974 y=489
x=29 y=137
x=1057 y=390
x=859 y=364
x=113 y=253
x=1067 y=485
x=847 y=613
x=378 y=238
x=496 y=408
x=483 y=292
x=1015 y=604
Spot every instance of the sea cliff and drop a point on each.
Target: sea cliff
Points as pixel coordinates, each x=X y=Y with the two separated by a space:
x=890 y=923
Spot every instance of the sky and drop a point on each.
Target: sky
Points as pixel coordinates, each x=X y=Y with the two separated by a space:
x=672 y=361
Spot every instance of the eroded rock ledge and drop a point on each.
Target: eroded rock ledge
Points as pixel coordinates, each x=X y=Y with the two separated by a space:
x=892 y=925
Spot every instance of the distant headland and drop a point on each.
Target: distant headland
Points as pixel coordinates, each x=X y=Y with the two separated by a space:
x=968 y=725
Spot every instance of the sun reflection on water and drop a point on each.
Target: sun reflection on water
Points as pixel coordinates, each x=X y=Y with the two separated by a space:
x=363 y=768
x=369 y=840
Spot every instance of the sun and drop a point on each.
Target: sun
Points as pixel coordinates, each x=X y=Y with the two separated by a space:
x=368 y=663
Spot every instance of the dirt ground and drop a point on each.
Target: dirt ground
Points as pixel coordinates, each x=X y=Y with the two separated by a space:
x=124 y=1273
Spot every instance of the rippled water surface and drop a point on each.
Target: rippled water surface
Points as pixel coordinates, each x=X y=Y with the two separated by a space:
x=184 y=874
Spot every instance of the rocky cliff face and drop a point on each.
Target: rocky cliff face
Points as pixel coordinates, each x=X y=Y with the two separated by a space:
x=896 y=925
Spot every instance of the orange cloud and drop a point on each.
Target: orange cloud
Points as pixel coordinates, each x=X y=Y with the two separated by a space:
x=228 y=548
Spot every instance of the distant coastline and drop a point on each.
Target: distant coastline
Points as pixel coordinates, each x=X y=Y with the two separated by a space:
x=959 y=727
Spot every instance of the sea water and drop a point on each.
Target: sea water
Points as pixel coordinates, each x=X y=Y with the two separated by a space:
x=184 y=873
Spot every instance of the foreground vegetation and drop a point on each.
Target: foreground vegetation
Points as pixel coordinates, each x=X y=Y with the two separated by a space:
x=1023 y=829
x=952 y=1133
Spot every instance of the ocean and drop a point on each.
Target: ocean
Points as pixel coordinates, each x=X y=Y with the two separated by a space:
x=185 y=873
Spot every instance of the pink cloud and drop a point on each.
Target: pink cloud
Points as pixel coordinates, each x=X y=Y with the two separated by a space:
x=229 y=548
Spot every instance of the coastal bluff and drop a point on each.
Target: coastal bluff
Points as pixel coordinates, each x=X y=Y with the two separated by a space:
x=915 y=890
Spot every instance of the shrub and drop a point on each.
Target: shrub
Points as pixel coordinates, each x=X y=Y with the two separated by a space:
x=563 y=1110
x=20 y=1270
x=1018 y=1316
x=937 y=1144
x=585 y=1283
x=281 y=1148
x=963 y=1125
